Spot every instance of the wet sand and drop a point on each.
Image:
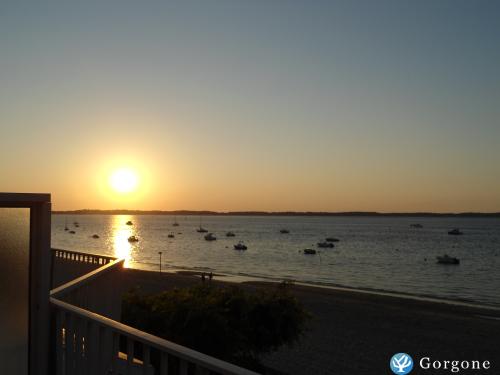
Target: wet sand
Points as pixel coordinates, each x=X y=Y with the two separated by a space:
x=351 y=332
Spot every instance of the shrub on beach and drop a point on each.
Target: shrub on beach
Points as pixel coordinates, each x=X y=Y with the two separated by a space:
x=226 y=322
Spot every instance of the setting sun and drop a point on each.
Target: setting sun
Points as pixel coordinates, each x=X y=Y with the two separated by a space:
x=124 y=180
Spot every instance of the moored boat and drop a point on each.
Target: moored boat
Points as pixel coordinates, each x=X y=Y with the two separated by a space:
x=133 y=239
x=446 y=259
x=240 y=246
x=309 y=251
x=210 y=237
x=201 y=229
x=331 y=239
x=325 y=244
x=455 y=232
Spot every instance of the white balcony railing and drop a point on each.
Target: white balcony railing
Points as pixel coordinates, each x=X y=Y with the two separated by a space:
x=82 y=257
x=89 y=339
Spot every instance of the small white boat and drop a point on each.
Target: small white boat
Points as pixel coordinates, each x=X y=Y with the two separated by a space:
x=446 y=259
x=210 y=237
x=240 y=246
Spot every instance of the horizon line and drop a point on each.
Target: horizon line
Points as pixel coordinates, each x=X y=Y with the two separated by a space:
x=269 y=213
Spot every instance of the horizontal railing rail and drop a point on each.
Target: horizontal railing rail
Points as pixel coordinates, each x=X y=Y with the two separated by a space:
x=82 y=257
x=89 y=341
x=99 y=346
x=86 y=279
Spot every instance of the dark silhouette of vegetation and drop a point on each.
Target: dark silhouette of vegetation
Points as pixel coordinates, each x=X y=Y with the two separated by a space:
x=226 y=322
x=279 y=213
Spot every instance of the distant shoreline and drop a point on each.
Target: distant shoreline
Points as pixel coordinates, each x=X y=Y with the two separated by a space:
x=283 y=213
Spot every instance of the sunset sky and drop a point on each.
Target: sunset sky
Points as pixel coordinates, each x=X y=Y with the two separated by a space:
x=253 y=105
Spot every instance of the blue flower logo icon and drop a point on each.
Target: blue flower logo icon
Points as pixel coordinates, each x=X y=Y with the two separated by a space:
x=401 y=364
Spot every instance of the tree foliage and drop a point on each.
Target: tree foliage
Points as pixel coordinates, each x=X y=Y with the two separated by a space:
x=226 y=322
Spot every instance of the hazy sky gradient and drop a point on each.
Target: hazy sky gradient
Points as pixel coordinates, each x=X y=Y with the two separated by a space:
x=256 y=105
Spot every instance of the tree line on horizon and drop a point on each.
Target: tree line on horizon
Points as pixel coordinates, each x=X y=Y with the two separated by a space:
x=272 y=213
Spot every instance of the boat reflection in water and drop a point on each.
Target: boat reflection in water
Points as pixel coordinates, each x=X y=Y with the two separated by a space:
x=121 y=233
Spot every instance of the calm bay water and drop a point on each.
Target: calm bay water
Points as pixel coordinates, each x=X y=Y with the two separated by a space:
x=374 y=252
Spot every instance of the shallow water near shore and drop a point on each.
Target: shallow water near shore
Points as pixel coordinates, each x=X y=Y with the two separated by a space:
x=381 y=253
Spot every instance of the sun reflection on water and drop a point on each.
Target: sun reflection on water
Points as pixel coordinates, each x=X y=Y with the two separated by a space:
x=121 y=232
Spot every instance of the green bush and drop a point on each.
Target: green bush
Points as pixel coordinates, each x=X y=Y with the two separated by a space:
x=226 y=322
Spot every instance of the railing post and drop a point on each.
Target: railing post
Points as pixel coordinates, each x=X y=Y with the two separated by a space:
x=115 y=348
x=80 y=345
x=164 y=364
x=183 y=366
x=60 y=341
x=146 y=359
x=106 y=350
x=70 y=345
x=92 y=351
x=200 y=370
x=130 y=355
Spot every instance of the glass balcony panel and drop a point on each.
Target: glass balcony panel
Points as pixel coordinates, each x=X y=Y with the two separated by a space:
x=14 y=290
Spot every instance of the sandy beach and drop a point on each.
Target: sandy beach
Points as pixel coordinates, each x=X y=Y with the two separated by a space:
x=351 y=332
